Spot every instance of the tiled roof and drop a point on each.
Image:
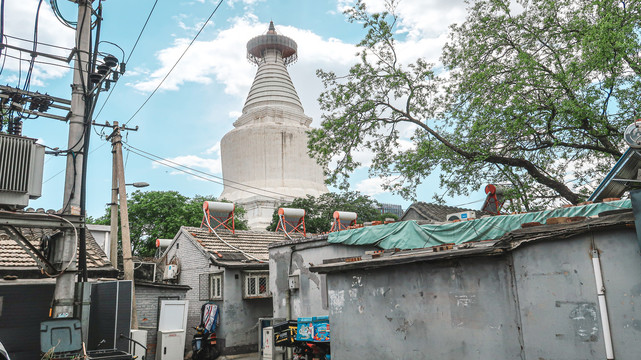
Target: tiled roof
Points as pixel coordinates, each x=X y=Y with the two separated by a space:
x=13 y=256
x=432 y=212
x=253 y=243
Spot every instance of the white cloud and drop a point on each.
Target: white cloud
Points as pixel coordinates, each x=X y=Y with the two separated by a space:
x=214 y=149
x=223 y=58
x=19 y=22
x=212 y=166
x=373 y=186
x=235 y=114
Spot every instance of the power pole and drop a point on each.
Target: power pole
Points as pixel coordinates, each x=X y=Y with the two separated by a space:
x=66 y=254
x=113 y=244
x=119 y=171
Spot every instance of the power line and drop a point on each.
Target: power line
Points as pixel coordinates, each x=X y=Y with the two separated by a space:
x=128 y=57
x=39 y=62
x=177 y=61
x=39 y=42
x=164 y=161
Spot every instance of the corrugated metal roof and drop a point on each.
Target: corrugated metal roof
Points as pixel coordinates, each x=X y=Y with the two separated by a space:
x=626 y=168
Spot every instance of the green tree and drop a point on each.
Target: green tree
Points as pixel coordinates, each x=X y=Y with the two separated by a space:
x=160 y=214
x=535 y=96
x=319 y=211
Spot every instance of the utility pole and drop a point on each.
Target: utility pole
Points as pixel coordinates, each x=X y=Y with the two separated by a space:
x=113 y=234
x=66 y=254
x=119 y=175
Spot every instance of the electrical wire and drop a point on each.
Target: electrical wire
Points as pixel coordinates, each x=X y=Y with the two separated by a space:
x=175 y=64
x=200 y=176
x=39 y=62
x=2 y=35
x=128 y=57
x=27 y=81
x=75 y=231
x=39 y=42
x=228 y=244
x=60 y=17
x=207 y=174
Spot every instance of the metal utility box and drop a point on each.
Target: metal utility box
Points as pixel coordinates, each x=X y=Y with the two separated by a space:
x=21 y=169
x=135 y=349
x=62 y=335
x=294 y=282
x=268 y=343
x=170 y=345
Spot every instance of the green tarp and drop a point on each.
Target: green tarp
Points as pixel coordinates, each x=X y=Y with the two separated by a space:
x=410 y=235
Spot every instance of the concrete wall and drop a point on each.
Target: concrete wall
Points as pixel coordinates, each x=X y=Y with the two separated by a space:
x=537 y=302
x=307 y=300
x=147 y=305
x=237 y=330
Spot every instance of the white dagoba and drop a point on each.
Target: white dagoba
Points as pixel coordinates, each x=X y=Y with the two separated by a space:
x=264 y=158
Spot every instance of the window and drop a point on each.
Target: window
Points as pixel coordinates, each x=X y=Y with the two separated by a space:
x=215 y=286
x=256 y=285
x=211 y=286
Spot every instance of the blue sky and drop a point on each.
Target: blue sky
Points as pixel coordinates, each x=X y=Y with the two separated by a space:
x=197 y=104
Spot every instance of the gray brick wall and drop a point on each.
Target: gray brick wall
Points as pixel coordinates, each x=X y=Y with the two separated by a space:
x=147 y=306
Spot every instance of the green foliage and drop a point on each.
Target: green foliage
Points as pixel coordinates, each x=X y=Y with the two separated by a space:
x=319 y=211
x=160 y=214
x=536 y=97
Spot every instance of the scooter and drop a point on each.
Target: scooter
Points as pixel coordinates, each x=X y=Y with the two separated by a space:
x=204 y=342
x=204 y=345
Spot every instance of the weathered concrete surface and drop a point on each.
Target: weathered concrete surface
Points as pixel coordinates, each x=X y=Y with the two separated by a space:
x=536 y=302
x=296 y=258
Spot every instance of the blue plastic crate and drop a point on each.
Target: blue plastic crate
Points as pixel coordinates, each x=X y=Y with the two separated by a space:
x=321 y=328
x=305 y=331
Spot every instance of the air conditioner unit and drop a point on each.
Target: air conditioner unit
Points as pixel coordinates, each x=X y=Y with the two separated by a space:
x=145 y=271
x=171 y=272
x=461 y=216
x=21 y=166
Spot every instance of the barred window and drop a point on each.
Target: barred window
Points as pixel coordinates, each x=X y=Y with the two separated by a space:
x=211 y=286
x=256 y=285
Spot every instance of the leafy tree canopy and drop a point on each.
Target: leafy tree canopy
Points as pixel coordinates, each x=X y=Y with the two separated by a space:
x=319 y=211
x=535 y=96
x=160 y=214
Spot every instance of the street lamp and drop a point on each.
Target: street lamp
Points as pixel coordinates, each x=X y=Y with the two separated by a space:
x=140 y=184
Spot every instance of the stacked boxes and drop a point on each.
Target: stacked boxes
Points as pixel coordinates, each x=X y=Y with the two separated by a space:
x=305 y=329
x=285 y=333
x=321 y=328
x=314 y=329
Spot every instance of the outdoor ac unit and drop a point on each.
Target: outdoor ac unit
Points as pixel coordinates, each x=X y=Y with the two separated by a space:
x=462 y=216
x=21 y=166
x=145 y=271
x=171 y=272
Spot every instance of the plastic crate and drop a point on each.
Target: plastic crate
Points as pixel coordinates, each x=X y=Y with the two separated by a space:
x=305 y=329
x=285 y=333
x=321 y=328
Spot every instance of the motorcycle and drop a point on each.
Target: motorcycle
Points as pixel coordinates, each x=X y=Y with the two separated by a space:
x=204 y=342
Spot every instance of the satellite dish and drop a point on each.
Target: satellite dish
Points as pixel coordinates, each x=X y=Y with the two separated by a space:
x=632 y=135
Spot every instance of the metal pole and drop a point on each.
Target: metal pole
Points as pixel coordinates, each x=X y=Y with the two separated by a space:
x=127 y=261
x=113 y=244
x=66 y=254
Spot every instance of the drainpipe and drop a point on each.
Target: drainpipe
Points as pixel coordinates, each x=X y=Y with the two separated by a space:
x=603 y=309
